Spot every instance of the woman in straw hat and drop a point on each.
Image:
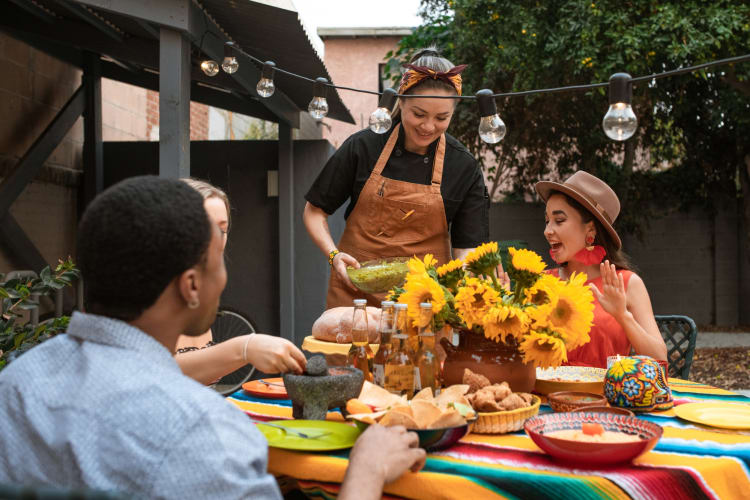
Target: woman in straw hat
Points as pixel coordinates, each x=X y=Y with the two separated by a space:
x=579 y=217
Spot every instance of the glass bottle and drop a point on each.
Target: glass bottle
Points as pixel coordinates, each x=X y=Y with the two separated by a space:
x=385 y=329
x=360 y=354
x=427 y=361
x=399 y=366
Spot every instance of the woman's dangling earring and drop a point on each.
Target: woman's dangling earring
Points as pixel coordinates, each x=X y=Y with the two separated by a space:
x=591 y=254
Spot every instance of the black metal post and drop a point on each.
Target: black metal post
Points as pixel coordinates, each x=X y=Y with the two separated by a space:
x=174 y=104
x=286 y=232
x=93 y=156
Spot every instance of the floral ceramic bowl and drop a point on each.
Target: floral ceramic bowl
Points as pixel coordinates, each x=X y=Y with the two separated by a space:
x=644 y=436
x=637 y=383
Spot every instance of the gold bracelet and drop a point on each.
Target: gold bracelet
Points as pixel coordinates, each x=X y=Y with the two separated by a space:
x=331 y=255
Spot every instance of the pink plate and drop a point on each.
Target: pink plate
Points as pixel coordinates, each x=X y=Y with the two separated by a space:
x=592 y=453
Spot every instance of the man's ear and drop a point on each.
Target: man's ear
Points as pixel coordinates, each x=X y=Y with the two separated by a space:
x=188 y=284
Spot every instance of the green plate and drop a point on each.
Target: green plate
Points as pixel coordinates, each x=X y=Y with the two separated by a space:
x=337 y=436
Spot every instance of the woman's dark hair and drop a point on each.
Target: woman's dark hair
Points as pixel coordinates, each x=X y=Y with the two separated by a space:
x=430 y=58
x=134 y=239
x=615 y=256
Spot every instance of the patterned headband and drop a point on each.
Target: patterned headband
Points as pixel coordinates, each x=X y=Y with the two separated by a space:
x=416 y=74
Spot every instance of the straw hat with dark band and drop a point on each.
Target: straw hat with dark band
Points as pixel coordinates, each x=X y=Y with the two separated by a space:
x=592 y=193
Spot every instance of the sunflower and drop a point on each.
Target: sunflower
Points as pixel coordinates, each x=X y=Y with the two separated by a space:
x=419 y=266
x=570 y=312
x=503 y=320
x=418 y=289
x=451 y=273
x=483 y=259
x=539 y=293
x=543 y=349
x=474 y=300
x=526 y=260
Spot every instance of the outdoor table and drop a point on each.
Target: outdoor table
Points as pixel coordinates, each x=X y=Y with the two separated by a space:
x=689 y=461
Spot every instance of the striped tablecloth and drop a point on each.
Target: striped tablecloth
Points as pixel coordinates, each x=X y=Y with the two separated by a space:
x=690 y=461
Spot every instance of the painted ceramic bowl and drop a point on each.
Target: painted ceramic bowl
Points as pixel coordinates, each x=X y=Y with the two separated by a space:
x=593 y=453
x=573 y=400
x=637 y=383
x=606 y=409
x=379 y=276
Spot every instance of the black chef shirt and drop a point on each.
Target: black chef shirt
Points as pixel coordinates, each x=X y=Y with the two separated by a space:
x=462 y=187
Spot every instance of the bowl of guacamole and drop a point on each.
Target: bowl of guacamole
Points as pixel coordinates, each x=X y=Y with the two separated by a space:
x=379 y=275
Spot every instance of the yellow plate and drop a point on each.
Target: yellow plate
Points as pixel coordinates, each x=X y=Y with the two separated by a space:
x=716 y=414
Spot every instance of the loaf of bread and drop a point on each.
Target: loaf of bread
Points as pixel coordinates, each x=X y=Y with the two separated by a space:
x=335 y=325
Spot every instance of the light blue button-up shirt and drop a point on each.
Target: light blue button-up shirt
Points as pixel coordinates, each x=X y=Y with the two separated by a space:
x=107 y=407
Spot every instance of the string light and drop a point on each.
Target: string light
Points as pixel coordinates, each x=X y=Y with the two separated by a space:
x=318 y=107
x=229 y=64
x=491 y=127
x=265 y=87
x=210 y=67
x=380 y=119
x=620 y=122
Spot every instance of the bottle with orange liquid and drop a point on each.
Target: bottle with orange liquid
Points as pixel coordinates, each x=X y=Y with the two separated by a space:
x=360 y=354
x=385 y=329
x=399 y=367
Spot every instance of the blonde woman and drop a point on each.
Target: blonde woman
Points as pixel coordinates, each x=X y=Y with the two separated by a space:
x=203 y=360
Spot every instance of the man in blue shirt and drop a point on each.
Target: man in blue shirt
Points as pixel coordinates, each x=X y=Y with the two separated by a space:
x=106 y=406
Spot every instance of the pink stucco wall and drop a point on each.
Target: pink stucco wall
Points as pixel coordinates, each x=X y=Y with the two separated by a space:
x=353 y=62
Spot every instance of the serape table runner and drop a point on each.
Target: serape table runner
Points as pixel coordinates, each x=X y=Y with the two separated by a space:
x=690 y=461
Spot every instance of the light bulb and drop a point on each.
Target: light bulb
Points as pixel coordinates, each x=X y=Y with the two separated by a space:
x=620 y=122
x=265 y=87
x=230 y=65
x=210 y=67
x=380 y=119
x=491 y=129
x=318 y=108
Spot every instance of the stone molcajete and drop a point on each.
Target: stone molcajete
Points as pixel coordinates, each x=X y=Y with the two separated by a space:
x=322 y=388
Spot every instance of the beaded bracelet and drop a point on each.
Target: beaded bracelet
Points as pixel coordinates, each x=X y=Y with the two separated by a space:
x=331 y=255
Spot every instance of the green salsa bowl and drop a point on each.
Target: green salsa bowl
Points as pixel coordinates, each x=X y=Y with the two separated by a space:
x=380 y=275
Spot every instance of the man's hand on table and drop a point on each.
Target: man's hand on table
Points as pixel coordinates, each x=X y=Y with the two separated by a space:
x=380 y=456
x=271 y=354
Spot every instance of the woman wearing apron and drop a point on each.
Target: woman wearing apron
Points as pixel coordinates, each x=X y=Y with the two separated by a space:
x=413 y=191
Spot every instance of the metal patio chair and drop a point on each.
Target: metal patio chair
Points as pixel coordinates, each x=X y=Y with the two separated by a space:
x=232 y=323
x=680 y=334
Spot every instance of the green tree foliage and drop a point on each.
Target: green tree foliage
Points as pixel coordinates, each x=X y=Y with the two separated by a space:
x=691 y=146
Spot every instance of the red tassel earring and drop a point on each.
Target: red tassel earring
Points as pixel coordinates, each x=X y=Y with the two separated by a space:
x=591 y=254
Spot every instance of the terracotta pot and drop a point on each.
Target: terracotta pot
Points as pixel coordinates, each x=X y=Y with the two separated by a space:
x=497 y=361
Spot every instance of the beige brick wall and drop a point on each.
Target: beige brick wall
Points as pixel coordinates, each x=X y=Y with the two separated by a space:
x=33 y=89
x=124 y=112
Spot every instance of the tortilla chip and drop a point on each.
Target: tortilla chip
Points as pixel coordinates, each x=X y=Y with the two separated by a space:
x=451 y=394
x=377 y=397
x=368 y=418
x=449 y=418
x=405 y=409
x=424 y=413
x=425 y=394
x=397 y=418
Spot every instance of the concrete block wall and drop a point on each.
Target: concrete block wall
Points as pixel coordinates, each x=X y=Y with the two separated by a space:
x=693 y=263
x=33 y=89
x=124 y=112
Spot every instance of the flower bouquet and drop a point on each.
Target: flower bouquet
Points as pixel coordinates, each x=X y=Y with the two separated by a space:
x=542 y=315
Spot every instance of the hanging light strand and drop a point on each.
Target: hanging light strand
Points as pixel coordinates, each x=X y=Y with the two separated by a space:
x=619 y=123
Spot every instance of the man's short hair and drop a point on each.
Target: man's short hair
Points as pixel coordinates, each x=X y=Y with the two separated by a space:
x=134 y=239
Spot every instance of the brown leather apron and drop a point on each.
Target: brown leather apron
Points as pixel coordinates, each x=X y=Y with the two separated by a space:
x=393 y=219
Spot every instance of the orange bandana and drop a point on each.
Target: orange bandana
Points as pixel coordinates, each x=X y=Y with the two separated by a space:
x=416 y=74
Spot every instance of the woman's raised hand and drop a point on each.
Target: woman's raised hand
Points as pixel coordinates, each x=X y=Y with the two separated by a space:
x=340 y=262
x=612 y=296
